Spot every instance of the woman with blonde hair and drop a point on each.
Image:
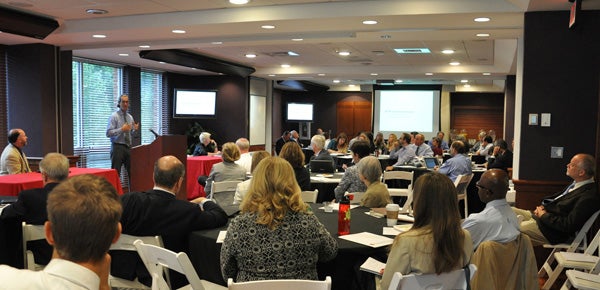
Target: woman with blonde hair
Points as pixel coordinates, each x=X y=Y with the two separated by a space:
x=392 y=139
x=292 y=152
x=436 y=243
x=227 y=170
x=275 y=236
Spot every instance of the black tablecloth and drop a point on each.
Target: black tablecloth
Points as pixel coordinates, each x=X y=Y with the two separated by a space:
x=344 y=269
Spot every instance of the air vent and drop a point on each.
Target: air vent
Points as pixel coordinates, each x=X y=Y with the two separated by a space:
x=411 y=50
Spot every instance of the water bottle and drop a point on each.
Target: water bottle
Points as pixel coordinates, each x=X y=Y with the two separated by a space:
x=344 y=217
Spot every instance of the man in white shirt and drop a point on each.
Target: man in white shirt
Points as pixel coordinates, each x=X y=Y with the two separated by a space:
x=245 y=156
x=497 y=222
x=83 y=221
x=422 y=149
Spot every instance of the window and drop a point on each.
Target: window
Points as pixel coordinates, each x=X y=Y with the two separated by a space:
x=151 y=105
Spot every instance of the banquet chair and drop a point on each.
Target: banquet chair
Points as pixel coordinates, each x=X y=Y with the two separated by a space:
x=31 y=233
x=579 y=243
x=223 y=186
x=457 y=279
x=399 y=175
x=355 y=197
x=587 y=261
x=157 y=258
x=125 y=243
x=581 y=280
x=280 y=284
x=462 y=183
x=309 y=195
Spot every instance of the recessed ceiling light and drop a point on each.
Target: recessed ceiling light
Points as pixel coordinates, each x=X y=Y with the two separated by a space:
x=454 y=63
x=467 y=86
x=344 y=53
x=99 y=36
x=428 y=74
x=193 y=68
x=481 y=19
x=216 y=42
x=482 y=35
x=369 y=22
x=96 y=11
x=239 y=2
x=464 y=81
x=161 y=62
x=321 y=75
x=352 y=85
x=178 y=31
x=285 y=65
x=144 y=46
x=272 y=75
x=336 y=81
x=486 y=74
x=268 y=27
x=447 y=51
x=374 y=74
x=398 y=81
x=123 y=54
x=250 y=55
x=291 y=53
x=297 y=39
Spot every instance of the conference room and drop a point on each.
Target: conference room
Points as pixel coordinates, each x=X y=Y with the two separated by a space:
x=61 y=88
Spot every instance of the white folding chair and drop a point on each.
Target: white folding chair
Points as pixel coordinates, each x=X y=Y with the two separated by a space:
x=581 y=280
x=309 y=195
x=451 y=280
x=155 y=258
x=399 y=175
x=355 y=197
x=125 y=243
x=579 y=243
x=223 y=186
x=280 y=284
x=31 y=233
x=462 y=183
x=587 y=261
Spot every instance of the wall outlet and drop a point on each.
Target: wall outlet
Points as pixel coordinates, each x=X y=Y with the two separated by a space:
x=556 y=152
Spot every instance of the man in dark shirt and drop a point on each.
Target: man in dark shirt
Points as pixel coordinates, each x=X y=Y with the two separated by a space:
x=282 y=140
x=501 y=157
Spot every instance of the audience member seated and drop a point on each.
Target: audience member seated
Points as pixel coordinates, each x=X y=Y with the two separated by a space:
x=294 y=136
x=317 y=144
x=350 y=181
x=444 y=144
x=227 y=170
x=377 y=194
x=13 y=159
x=404 y=154
x=30 y=207
x=242 y=187
x=436 y=243
x=458 y=164
x=83 y=221
x=422 y=149
x=379 y=143
x=360 y=136
x=206 y=146
x=340 y=145
x=294 y=155
x=281 y=141
x=435 y=146
x=480 y=137
x=562 y=214
x=497 y=222
x=501 y=157
x=245 y=160
x=159 y=212
x=273 y=211
x=486 y=146
x=392 y=143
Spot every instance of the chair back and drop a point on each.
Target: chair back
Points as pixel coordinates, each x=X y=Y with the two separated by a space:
x=451 y=280
x=31 y=233
x=280 y=284
x=399 y=175
x=355 y=197
x=125 y=243
x=309 y=195
x=155 y=258
x=462 y=183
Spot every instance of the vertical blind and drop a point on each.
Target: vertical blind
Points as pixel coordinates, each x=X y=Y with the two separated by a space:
x=151 y=100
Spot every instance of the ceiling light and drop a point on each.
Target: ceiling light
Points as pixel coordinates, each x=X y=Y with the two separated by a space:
x=239 y=2
x=161 y=62
x=467 y=86
x=454 y=63
x=291 y=53
x=428 y=74
x=412 y=50
x=193 y=68
x=216 y=42
x=481 y=19
x=250 y=55
x=344 y=53
x=447 y=51
x=464 y=81
x=482 y=35
x=321 y=75
x=336 y=81
x=285 y=65
x=369 y=22
x=486 y=74
x=272 y=75
x=398 y=81
x=178 y=31
x=99 y=36
x=123 y=54
x=297 y=39
x=268 y=27
x=374 y=74
x=96 y=11
x=144 y=46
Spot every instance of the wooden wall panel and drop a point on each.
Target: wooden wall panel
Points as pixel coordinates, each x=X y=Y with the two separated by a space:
x=475 y=118
x=353 y=117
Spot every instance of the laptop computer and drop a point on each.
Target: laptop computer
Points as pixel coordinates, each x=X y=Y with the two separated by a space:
x=322 y=166
x=431 y=162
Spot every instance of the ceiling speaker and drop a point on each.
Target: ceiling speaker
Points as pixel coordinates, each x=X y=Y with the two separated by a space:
x=26 y=24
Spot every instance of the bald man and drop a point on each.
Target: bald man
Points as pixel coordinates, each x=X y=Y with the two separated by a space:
x=497 y=222
x=245 y=156
x=13 y=159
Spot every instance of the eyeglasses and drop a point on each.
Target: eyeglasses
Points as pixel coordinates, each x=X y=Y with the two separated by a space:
x=479 y=186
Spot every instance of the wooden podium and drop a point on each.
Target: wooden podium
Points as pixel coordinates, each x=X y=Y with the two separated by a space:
x=144 y=156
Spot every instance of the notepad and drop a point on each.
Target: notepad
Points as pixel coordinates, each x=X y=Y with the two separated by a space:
x=372 y=266
x=368 y=239
x=221 y=237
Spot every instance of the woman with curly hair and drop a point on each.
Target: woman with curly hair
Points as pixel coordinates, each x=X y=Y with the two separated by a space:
x=341 y=144
x=275 y=236
x=391 y=143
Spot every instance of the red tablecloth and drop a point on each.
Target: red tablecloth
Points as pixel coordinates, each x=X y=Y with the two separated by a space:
x=196 y=166
x=15 y=183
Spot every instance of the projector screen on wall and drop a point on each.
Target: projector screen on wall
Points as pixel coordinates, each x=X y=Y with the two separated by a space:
x=405 y=111
x=194 y=103
x=299 y=112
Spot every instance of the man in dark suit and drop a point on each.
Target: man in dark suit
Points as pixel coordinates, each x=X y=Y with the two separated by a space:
x=317 y=143
x=281 y=141
x=158 y=212
x=501 y=157
x=563 y=213
x=30 y=207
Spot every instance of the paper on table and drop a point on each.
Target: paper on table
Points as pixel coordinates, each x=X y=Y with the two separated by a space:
x=579 y=257
x=336 y=206
x=221 y=237
x=390 y=231
x=368 y=239
x=406 y=218
x=372 y=266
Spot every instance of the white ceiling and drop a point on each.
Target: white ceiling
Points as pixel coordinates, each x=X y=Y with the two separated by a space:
x=324 y=26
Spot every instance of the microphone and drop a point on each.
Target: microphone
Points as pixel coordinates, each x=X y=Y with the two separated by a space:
x=153 y=132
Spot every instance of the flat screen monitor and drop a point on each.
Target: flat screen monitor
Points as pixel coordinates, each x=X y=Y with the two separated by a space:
x=299 y=112
x=189 y=103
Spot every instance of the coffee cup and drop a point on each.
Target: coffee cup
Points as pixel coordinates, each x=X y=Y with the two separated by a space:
x=391 y=211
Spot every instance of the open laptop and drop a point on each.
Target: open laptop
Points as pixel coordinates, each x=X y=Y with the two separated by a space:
x=321 y=166
x=431 y=162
